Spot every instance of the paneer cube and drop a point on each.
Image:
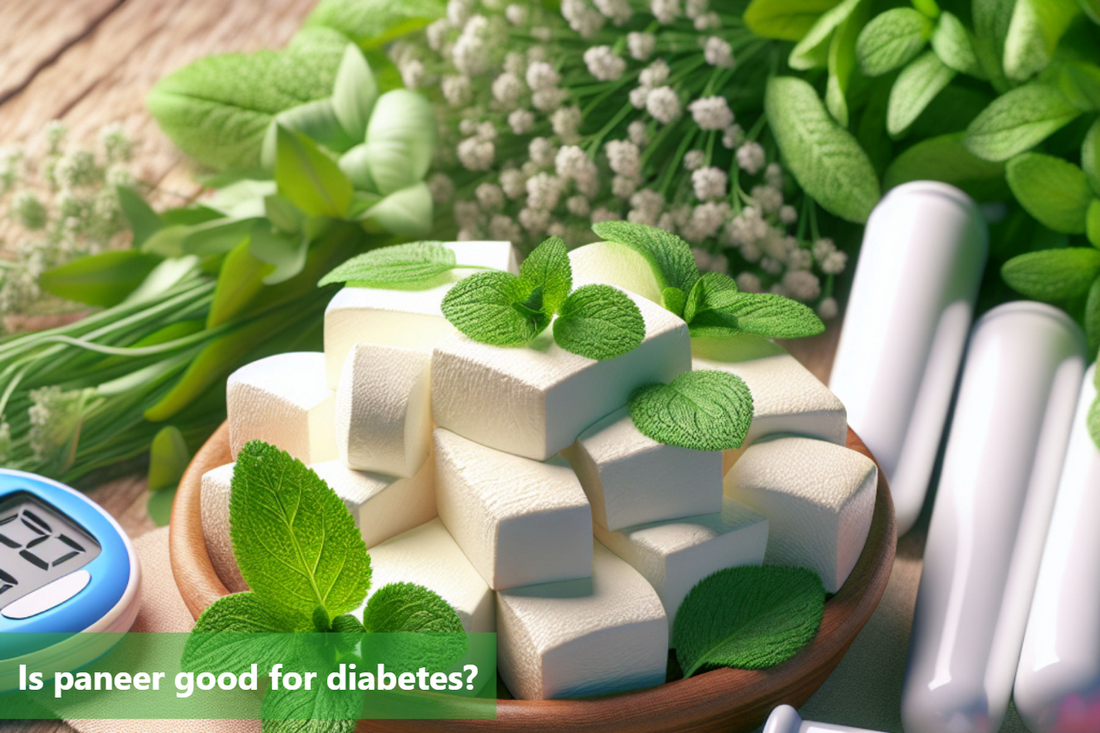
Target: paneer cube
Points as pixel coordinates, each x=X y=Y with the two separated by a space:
x=675 y=555
x=519 y=521
x=631 y=479
x=593 y=636
x=214 y=512
x=283 y=400
x=411 y=318
x=427 y=555
x=535 y=401
x=382 y=506
x=818 y=497
x=383 y=409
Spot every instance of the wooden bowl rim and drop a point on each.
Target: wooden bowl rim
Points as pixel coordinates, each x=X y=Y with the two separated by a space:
x=710 y=701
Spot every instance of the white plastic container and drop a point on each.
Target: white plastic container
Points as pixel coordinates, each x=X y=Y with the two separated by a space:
x=785 y=719
x=1058 y=679
x=996 y=494
x=905 y=329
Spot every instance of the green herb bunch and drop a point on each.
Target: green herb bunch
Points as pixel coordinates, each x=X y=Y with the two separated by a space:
x=299 y=551
x=997 y=97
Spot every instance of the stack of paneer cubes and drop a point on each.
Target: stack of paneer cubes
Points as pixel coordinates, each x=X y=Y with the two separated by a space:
x=512 y=481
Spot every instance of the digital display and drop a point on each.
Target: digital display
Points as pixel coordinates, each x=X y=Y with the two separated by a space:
x=38 y=545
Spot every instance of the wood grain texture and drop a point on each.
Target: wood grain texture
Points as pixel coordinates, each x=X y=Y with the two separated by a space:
x=724 y=700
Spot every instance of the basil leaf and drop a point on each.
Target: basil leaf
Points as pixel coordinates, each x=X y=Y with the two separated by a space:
x=308 y=177
x=295 y=542
x=825 y=159
x=1033 y=34
x=813 y=50
x=701 y=410
x=547 y=268
x=891 y=40
x=1054 y=274
x=764 y=314
x=406 y=213
x=402 y=263
x=354 y=94
x=103 y=279
x=946 y=158
x=482 y=307
x=599 y=322
x=400 y=141
x=1090 y=156
x=1018 y=120
x=355 y=164
x=144 y=222
x=916 y=86
x=750 y=617
x=168 y=459
x=954 y=44
x=668 y=255
x=785 y=20
x=1053 y=190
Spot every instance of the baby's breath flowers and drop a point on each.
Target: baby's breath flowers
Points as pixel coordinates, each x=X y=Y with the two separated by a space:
x=617 y=109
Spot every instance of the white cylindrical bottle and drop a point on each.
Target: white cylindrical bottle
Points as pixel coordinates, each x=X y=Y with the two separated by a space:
x=905 y=330
x=996 y=494
x=785 y=719
x=1058 y=679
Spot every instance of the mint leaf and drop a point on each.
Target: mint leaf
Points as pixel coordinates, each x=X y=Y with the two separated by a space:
x=711 y=293
x=1018 y=120
x=674 y=300
x=668 y=255
x=482 y=306
x=891 y=40
x=295 y=542
x=785 y=20
x=399 y=264
x=751 y=617
x=1090 y=156
x=813 y=50
x=914 y=89
x=946 y=158
x=400 y=140
x=764 y=314
x=1053 y=190
x=1033 y=34
x=168 y=458
x=547 y=268
x=824 y=157
x=599 y=322
x=954 y=45
x=354 y=93
x=308 y=177
x=229 y=648
x=1053 y=274
x=407 y=607
x=700 y=410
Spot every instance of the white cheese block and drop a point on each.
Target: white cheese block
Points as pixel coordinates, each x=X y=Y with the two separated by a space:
x=631 y=479
x=383 y=409
x=674 y=556
x=818 y=498
x=786 y=397
x=214 y=510
x=535 y=400
x=593 y=636
x=519 y=521
x=614 y=264
x=427 y=555
x=382 y=506
x=283 y=400
x=403 y=317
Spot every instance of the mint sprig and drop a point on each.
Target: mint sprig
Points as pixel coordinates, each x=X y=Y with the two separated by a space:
x=402 y=264
x=548 y=271
x=668 y=255
x=493 y=308
x=701 y=410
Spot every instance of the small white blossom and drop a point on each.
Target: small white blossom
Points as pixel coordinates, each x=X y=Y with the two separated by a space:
x=543 y=192
x=522 y=121
x=638 y=132
x=504 y=229
x=542 y=33
x=748 y=282
x=702 y=258
x=556 y=229
x=542 y=152
x=28 y=210
x=490 y=196
x=694 y=8
x=578 y=206
x=537 y=53
x=441 y=187
x=541 y=75
x=412 y=73
x=486 y=131
x=800 y=259
x=617 y=11
x=623 y=186
x=476 y=155
x=603 y=64
x=534 y=221
x=708 y=21
x=513 y=182
x=801 y=285
x=624 y=157
x=705 y=221
x=641 y=45
x=457 y=90
x=515 y=63
x=437 y=34
x=654 y=75
x=773 y=175
x=467 y=127
x=603 y=214
x=470 y=53
x=647 y=207
x=768 y=198
x=76 y=169
x=507 y=89
x=468 y=235
x=694 y=160
x=751 y=157
x=751 y=252
x=517 y=14
x=56 y=130
x=667 y=222
x=582 y=17
x=638 y=97
x=788 y=214
x=530 y=168
x=458 y=12
x=566 y=122
x=664 y=105
x=828 y=309
x=665 y=11
x=548 y=100
x=835 y=263
x=823 y=248
x=116 y=143
x=711 y=113
x=779 y=247
x=573 y=164
x=771 y=265
x=732 y=136
x=718 y=52
x=709 y=183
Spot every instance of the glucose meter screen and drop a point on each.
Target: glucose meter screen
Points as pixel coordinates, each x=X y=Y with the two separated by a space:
x=38 y=545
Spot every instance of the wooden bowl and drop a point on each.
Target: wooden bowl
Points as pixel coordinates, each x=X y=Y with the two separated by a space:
x=722 y=701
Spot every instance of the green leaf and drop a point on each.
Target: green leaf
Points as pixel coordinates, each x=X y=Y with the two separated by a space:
x=824 y=157
x=218 y=108
x=954 y=44
x=239 y=281
x=599 y=322
x=1018 y=120
x=927 y=7
x=547 y=267
x=813 y=50
x=1079 y=82
x=355 y=93
x=218 y=640
x=168 y=458
x=713 y=292
x=285 y=252
x=1054 y=274
x=295 y=542
x=946 y=158
x=700 y=410
x=785 y=20
x=1094 y=422
x=674 y=300
x=213 y=237
x=916 y=86
x=668 y=255
x=991 y=20
x=1033 y=35
x=374 y=23
x=1091 y=8
x=308 y=177
x=103 y=279
x=400 y=142
x=320 y=710
x=842 y=63
x=158 y=506
x=1092 y=317
x=406 y=214
x=1053 y=190
x=891 y=40
x=764 y=314
x=242 y=199
x=316 y=120
x=750 y=617
x=407 y=607
x=1092 y=223
x=144 y=222
x=1090 y=156
x=399 y=264
x=282 y=214
x=482 y=306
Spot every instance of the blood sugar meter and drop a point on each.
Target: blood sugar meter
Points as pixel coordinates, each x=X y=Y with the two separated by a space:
x=65 y=567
